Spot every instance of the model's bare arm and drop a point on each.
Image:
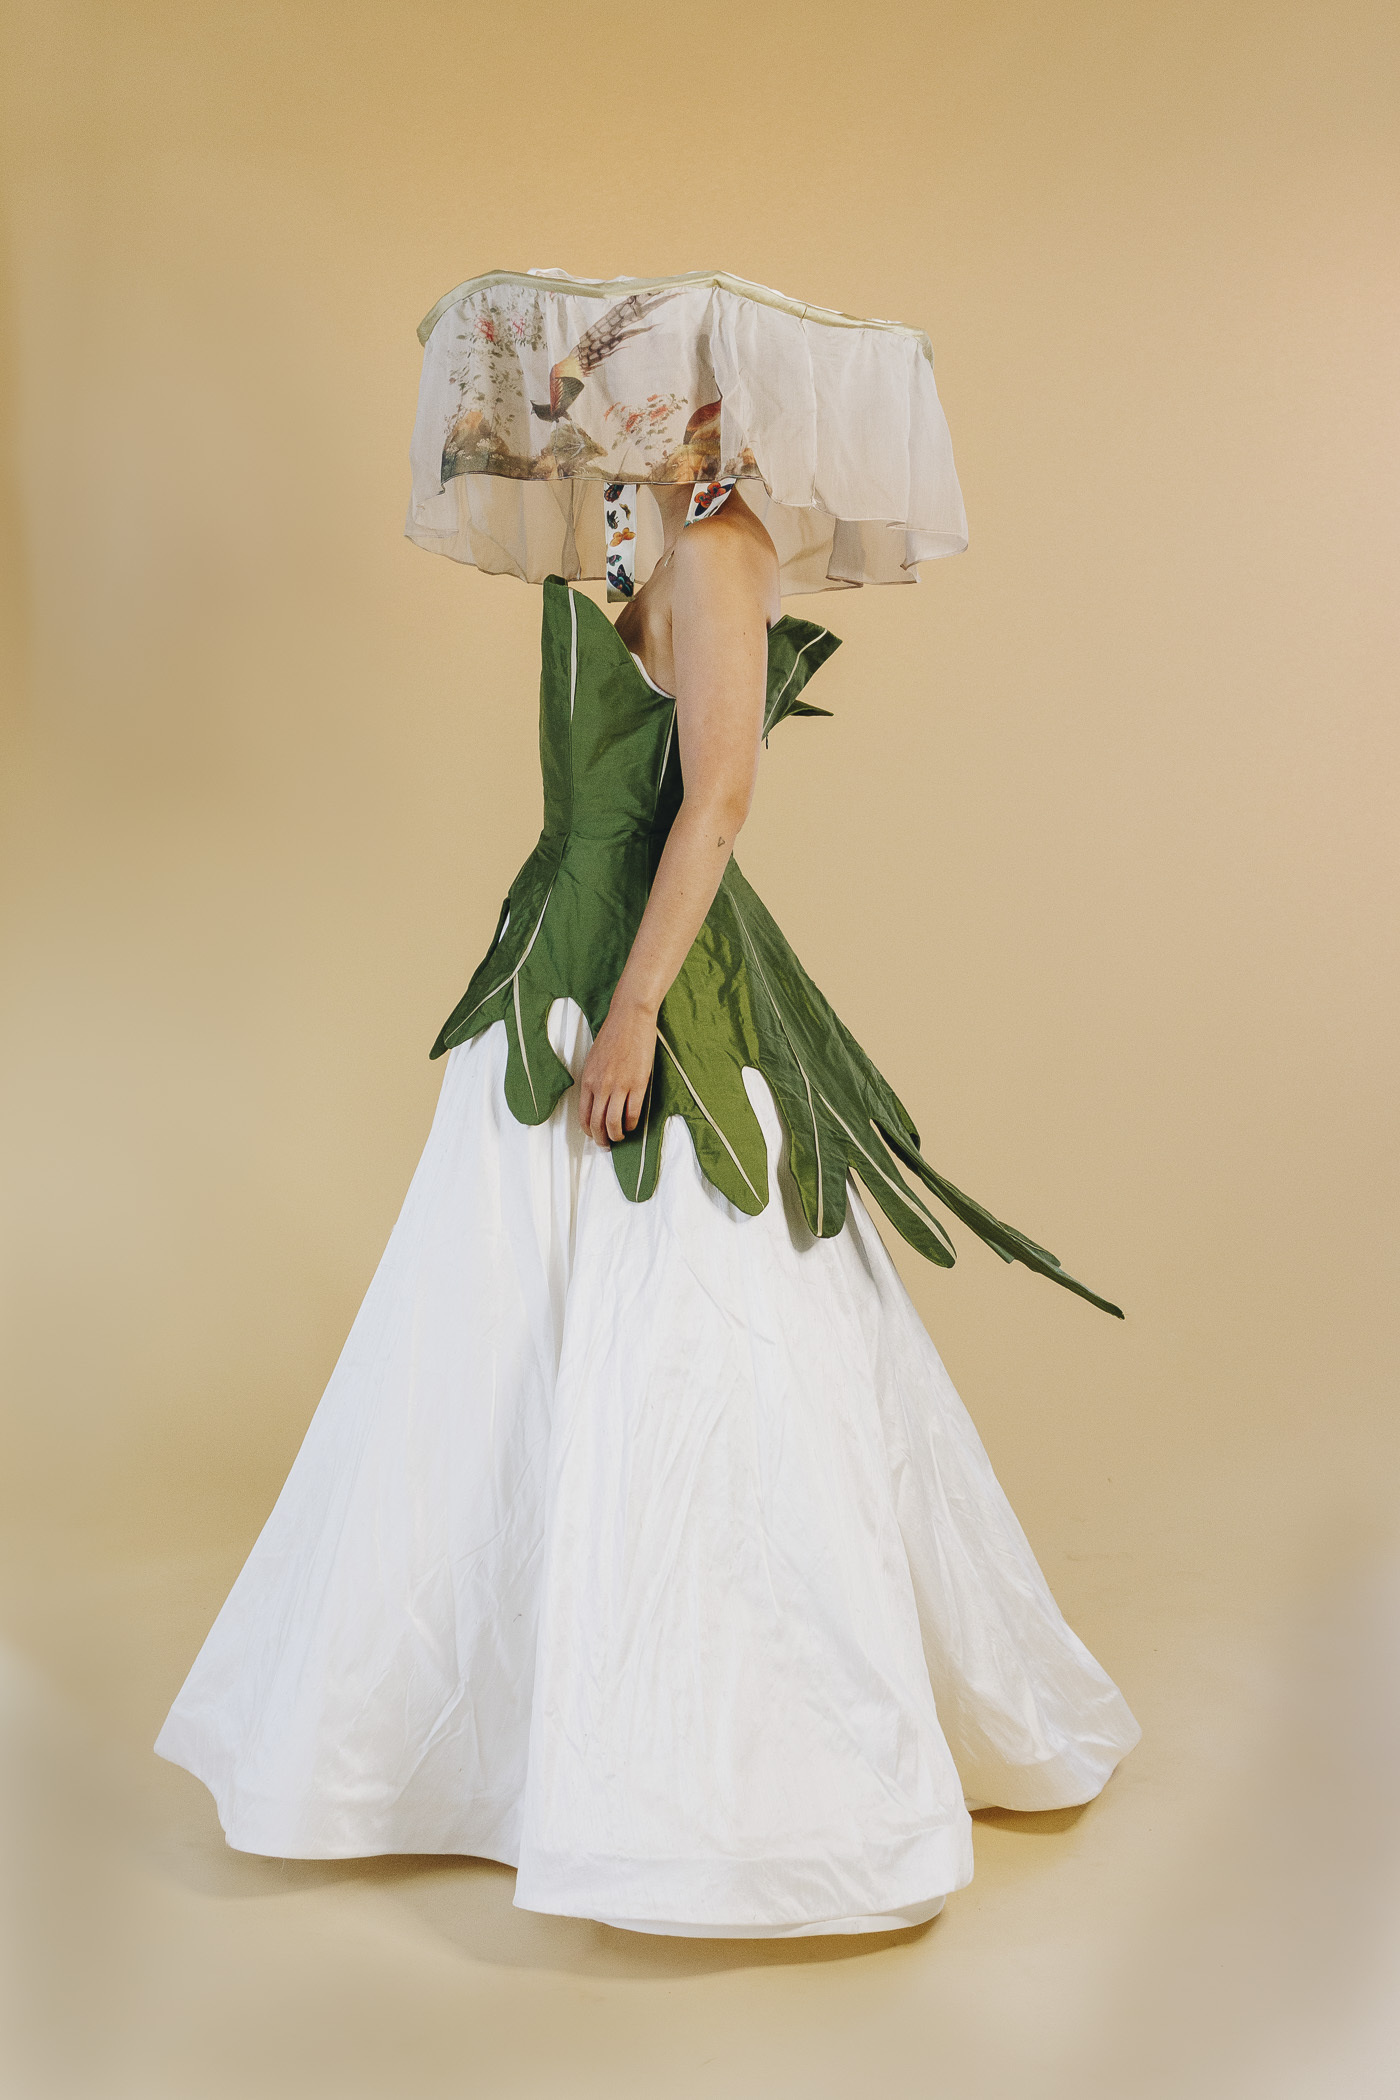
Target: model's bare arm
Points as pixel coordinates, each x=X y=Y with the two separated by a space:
x=724 y=588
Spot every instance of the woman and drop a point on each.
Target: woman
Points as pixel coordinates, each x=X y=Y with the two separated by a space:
x=699 y=630
x=640 y=1540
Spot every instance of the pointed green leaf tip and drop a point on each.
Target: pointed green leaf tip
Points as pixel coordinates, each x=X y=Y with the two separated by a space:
x=612 y=786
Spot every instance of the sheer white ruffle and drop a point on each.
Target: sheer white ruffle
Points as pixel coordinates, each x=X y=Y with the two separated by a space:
x=538 y=390
x=647 y=1548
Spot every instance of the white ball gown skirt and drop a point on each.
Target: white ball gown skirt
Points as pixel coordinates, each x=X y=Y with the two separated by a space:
x=646 y=1548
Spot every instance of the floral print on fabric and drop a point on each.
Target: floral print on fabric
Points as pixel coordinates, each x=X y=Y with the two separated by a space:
x=627 y=399
x=619 y=324
x=539 y=389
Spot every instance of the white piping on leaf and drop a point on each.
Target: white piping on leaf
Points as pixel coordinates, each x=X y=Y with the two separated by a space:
x=901 y=1188
x=518 y=968
x=710 y=1119
x=520 y=1038
x=772 y=1000
x=573 y=653
x=661 y=774
x=773 y=710
x=642 y=1148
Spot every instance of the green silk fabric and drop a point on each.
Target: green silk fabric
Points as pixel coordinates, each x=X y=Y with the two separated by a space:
x=612 y=786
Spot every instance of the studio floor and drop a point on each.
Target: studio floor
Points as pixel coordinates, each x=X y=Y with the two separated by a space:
x=1224 y=1920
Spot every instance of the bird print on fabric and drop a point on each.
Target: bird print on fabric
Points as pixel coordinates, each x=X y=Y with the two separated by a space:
x=630 y=439
x=630 y=317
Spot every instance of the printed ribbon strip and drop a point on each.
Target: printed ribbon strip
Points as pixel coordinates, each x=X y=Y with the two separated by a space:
x=620 y=526
x=620 y=533
x=706 y=498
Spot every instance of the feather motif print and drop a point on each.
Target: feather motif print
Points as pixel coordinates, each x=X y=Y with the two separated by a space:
x=630 y=317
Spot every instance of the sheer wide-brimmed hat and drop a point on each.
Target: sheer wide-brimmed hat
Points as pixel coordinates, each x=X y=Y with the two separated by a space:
x=540 y=391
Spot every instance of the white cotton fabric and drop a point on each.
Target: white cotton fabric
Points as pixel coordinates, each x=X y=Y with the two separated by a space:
x=647 y=1548
x=835 y=427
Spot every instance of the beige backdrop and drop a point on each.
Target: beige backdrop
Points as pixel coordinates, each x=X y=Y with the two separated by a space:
x=1114 y=781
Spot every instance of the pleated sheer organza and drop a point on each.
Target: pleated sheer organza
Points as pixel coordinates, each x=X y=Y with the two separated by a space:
x=539 y=390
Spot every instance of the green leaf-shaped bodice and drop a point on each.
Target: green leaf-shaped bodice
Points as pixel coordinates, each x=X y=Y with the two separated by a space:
x=612 y=786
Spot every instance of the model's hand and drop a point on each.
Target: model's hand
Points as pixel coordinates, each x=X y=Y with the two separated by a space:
x=617 y=1072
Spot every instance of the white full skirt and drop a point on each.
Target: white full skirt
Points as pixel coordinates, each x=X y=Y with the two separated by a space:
x=646 y=1548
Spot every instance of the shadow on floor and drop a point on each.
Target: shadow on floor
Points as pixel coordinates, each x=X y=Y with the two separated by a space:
x=1044 y=1822
x=467 y=1905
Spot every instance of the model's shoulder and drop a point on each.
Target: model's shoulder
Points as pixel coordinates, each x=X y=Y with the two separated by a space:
x=731 y=542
